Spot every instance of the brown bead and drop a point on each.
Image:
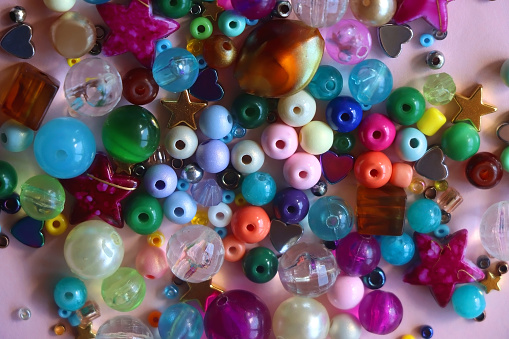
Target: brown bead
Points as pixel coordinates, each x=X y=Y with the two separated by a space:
x=59 y=329
x=484 y=170
x=219 y=51
x=139 y=86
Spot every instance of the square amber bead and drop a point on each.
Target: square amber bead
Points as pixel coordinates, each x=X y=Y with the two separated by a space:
x=28 y=95
x=381 y=211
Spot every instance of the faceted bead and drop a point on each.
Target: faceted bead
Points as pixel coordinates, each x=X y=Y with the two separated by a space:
x=405 y=106
x=431 y=121
x=484 y=170
x=260 y=265
x=439 y=89
x=207 y=192
x=460 y=141
x=326 y=84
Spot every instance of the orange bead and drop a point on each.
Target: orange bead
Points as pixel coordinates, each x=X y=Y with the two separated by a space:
x=402 y=174
x=153 y=318
x=373 y=169
x=234 y=249
x=219 y=51
x=250 y=224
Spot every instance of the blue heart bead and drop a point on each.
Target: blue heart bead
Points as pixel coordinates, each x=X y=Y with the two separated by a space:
x=28 y=231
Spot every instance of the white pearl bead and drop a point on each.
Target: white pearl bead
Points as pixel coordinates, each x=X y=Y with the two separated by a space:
x=181 y=142
x=247 y=156
x=345 y=326
x=59 y=5
x=298 y=109
x=220 y=215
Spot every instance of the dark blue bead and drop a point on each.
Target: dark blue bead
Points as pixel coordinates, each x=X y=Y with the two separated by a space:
x=375 y=279
x=427 y=332
x=206 y=86
x=291 y=205
x=11 y=204
x=343 y=114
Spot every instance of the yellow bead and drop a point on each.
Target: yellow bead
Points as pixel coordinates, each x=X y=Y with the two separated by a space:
x=441 y=185
x=417 y=186
x=201 y=218
x=156 y=239
x=408 y=336
x=195 y=46
x=73 y=61
x=57 y=225
x=240 y=200
x=431 y=121
x=316 y=137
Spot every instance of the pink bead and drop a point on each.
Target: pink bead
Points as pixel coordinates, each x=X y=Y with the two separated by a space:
x=377 y=132
x=346 y=293
x=279 y=141
x=348 y=42
x=302 y=170
x=226 y=4
x=402 y=174
x=151 y=262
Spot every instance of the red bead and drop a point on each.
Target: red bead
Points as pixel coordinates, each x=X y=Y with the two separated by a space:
x=373 y=169
x=484 y=170
x=139 y=86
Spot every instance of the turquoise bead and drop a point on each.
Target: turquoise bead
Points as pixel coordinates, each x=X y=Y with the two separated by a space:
x=15 y=137
x=442 y=231
x=411 y=144
x=162 y=45
x=260 y=265
x=228 y=197
x=221 y=231
x=181 y=321
x=330 y=218
x=259 y=188
x=424 y=216
x=397 y=250
x=468 y=301
x=326 y=84
x=70 y=294
x=231 y=23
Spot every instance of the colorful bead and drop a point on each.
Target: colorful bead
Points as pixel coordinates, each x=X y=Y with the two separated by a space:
x=42 y=197
x=426 y=332
x=247 y=156
x=484 y=170
x=504 y=72
x=348 y=42
x=417 y=186
x=181 y=320
x=366 y=88
x=397 y=251
x=251 y=111
x=343 y=114
x=220 y=215
x=424 y=216
x=431 y=121
x=290 y=205
x=316 y=137
x=171 y=291
x=450 y=200
x=405 y=106
x=228 y=197
x=143 y=213
x=254 y=9
x=439 y=89
x=460 y=141
x=175 y=69
x=156 y=239
x=279 y=141
x=231 y=23
x=319 y=189
x=297 y=109
x=468 y=301
x=346 y=293
x=15 y=137
x=258 y=188
x=180 y=208
x=343 y=143
x=504 y=159
x=402 y=174
x=260 y=265
x=302 y=170
x=173 y=9
x=76 y=27
x=139 y=86
x=213 y=156
x=219 y=51
x=70 y=294
x=181 y=142
x=151 y=262
x=375 y=13
x=195 y=47
x=373 y=169
x=11 y=204
x=330 y=218
x=380 y=312
x=326 y=84
x=8 y=179
x=59 y=329
x=427 y=40
x=221 y=231
x=375 y=279
x=161 y=46
x=239 y=200
x=57 y=225
x=234 y=249
x=153 y=318
x=250 y=224
x=160 y=180
x=201 y=28
x=411 y=144
x=376 y=132
x=124 y=290
x=357 y=254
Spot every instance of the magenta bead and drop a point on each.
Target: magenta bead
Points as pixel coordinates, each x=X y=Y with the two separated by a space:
x=348 y=42
x=377 y=132
x=213 y=156
x=237 y=314
x=358 y=254
x=279 y=141
x=151 y=262
x=302 y=170
x=254 y=9
x=160 y=181
x=380 y=312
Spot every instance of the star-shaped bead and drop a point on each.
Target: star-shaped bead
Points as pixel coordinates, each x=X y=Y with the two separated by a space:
x=203 y=292
x=441 y=268
x=134 y=29
x=491 y=282
x=471 y=109
x=211 y=9
x=98 y=193
x=85 y=332
x=433 y=11
x=183 y=110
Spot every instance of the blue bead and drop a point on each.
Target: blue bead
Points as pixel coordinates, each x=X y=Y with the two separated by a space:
x=259 y=188
x=231 y=23
x=64 y=314
x=228 y=138
x=343 y=114
x=375 y=279
x=97 y=2
x=175 y=69
x=468 y=301
x=11 y=204
x=228 y=197
x=181 y=321
x=424 y=215
x=182 y=185
x=162 y=45
x=15 y=137
x=291 y=205
x=160 y=181
x=426 y=40
x=171 y=291
x=179 y=208
x=201 y=62
x=330 y=218
x=215 y=122
x=366 y=107
x=411 y=144
x=221 y=231
x=207 y=193
x=238 y=131
x=426 y=332
x=326 y=84
x=64 y=147
x=70 y=294
x=370 y=82
x=397 y=250
x=74 y=320
x=250 y=22
x=442 y=231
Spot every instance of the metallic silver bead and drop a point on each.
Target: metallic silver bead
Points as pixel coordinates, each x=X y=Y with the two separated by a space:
x=192 y=173
x=24 y=313
x=319 y=189
x=435 y=59
x=283 y=9
x=18 y=14
x=439 y=35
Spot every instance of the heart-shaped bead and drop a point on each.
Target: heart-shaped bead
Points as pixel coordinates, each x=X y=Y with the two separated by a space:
x=284 y=236
x=28 y=232
x=432 y=165
x=18 y=41
x=391 y=37
x=206 y=86
x=336 y=167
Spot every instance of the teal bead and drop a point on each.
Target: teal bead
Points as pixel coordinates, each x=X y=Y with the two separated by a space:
x=460 y=141
x=399 y=250
x=424 y=216
x=15 y=137
x=406 y=106
x=468 y=301
x=326 y=84
x=70 y=294
x=259 y=188
x=343 y=143
x=504 y=159
x=8 y=179
x=173 y=9
x=504 y=72
x=201 y=28
x=231 y=23
x=251 y=111
x=260 y=265
x=143 y=213
x=442 y=231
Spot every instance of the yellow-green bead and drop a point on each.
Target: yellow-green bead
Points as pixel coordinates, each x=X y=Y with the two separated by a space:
x=124 y=290
x=316 y=137
x=431 y=121
x=441 y=185
x=417 y=186
x=201 y=28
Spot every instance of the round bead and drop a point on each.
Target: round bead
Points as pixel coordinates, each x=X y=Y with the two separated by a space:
x=18 y=14
x=290 y=205
x=405 y=105
x=160 y=180
x=42 y=197
x=357 y=254
x=376 y=132
x=15 y=137
x=8 y=179
x=124 y=290
x=402 y=174
x=161 y=46
x=430 y=193
x=346 y=326
x=373 y=169
x=297 y=110
x=468 y=301
x=73 y=35
x=151 y=262
x=494 y=230
x=219 y=51
x=426 y=332
x=441 y=231
x=504 y=159
x=24 y=313
x=143 y=213
x=252 y=9
x=201 y=62
x=502 y=268
x=234 y=249
x=380 y=312
x=220 y=215
x=417 y=186
x=504 y=72
x=250 y=224
x=427 y=40
x=221 y=231
x=156 y=239
x=56 y=225
x=411 y=144
x=123 y=325
x=247 y=156
x=153 y=318
x=424 y=215
x=374 y=13
x=175 y=69
x=375 y=279
x=484 y=170
x=354 y=44
x=11 y=204
x=59 y=329
x=397 y=250
x=70 y=294
x=319 y=189
x=435 y=59
x=316 y=137
x=439 y=89
x=173 y=9
x=251 y=111
x=302 y=170
x=171 y=291
x=279 y=141
x=180 y=208
x=181 y=321
x=229 y=179
x=346 y=293
x=326 y=84
x=239 y=200
x=228 y=197
x=460 y=141
x=330 y=218
x=343 y=143
x=139 y=86
x=343 y=114
x=213 y=156
x=201 y=28
x=231 y=23
x=260 y=265
x=446 y=217
x=483 y=262
x=370 y=81
x=181 y=142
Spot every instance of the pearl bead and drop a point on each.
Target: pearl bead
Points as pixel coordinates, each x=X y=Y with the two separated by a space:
x=345 y=326
x=298 y=109
x=59 y=5
x=373 y=13
x=247 y=156
x=316 y=137
x=181 y=142
x=346 y=293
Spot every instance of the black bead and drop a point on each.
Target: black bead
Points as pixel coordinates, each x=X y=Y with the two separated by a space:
x=375 y=279
x=426 y=332
x=446 y=217
x=11 y=204
x=483 y=262
x=229 y=179
x=97 y=49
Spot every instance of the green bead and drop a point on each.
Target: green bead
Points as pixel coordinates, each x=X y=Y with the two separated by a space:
x=173 y=8
x=130 y=134
x=460 y=141
x=42 y=197
x=260 y=265
x=143 y=213
x=201 y=28
x=8 y=179
x=406 y=106
x=343 y=143
x=504 y=159
x=439 y=89
x=124 y=290
x=251 y=111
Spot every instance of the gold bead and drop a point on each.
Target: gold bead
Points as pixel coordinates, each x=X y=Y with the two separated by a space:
x=156 y=239
x=219 y=51
x=417 y=186
x=373 y=12
x=59 y=329
x=502 y=267
x=195 y=47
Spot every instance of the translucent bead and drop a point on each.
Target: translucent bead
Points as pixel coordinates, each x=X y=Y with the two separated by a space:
x=370 y=82
x=484 y=170
x=417 y=186
x=326 y=84
x=156 y=239
x=323 y=13
x=15 y=137
x=439 y=89
x=357 y=254
x=247 y=156
x=124 y=326
x=175 y=70
x=179 y=208
x=330 y=218
x=348 y=42
x=181 y=142
x=73 y=35
x=399 y=250
x=494 y=230
x=124 y=290
x=195 y=47
x=24 y=313
x=139 y=86
x=207 y=193
x=42 y=197
x=171 y=291
x=181 y=321
x=254 y=9
x=468 y=301
x=380 y=312
x=259 y=188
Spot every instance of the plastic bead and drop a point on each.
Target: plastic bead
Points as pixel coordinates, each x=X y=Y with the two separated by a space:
x=73 y=35
x=213 y=156
x=247 y=156
x=302 y=170
x=326 y=84
x=175 y=69
x=343 y=114
x=201 y=62
x=57 y=225
x=173 y=9
x=399 y=250
x=70 y=294
x=493 y=230
x=279 y=141
x=11 y=204
x=181 y=321
x=24 y=313
x=449 y=200
x=380 y=312
x=346 y=326
x=215 y=122
x=431 y=121
x=330 y=218
x=153 y=318
x=290 y=205
x=201 y=28
x=468 y=301
x=143 y=213
x=375 y=13
x=373 y=169
x=411 y=144
x=124 y=325
x=231 y=23
x=343 y=143
x=229 y=179
x=139 y=86
x=124 y=290
x=460 y=141
x=73 y=320
x=228 y=197
x=504 y=72
x=346 y=293
x=15 y=137
x=252 y=9
x=156 y=239
x=171 y=291
x=42 y=197
x=320 y=14
x=439 y=89
x=424 y=215
x=260 y=265
x=376 y=132
x=417 y=186
x=402 y=174
x=160 y=181
x=297 y=109
x=427 y=40
x=221 y=231
x=435 y=59
x=484 y=170
x=426 y=332
x=406 y=106
x=366 y=88
x=250 y=224
x=220 y=215
x=316 y=137
x=319 y=189
x=181 y=142
x=195 y=47
x=8 y=179
x=348 y=42
x=357 y=254
x=161 y=46
x=483 y=262
x=251 y=111
x=375 y=279
x=183 y=185
x=219 y=51
x=180 y=208
x=64 y=314
x=151 y=262
x=234 y=249
x=239 y=200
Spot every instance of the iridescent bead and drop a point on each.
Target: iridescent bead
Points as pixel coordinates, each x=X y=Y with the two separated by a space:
x=160 y=180
x=219 y=51
x=259 y=188
x=439 y=89
x=326 y=84
x=213 y=156
x=175 y=69
x=424 y=215
x=247 y=156
x=207 y=192
x=348 y=42
x=426 y=332
x=370 y=82
x=179 y=208
x=15 y=137
x=330 y=218
x=346 y=326
x=468 y=301
x=375 y=279
x=215 y=122
x=373 y=13
x=397 y=250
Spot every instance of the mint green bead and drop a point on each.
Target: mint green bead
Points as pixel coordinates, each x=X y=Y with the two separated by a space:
x=143 y=213
x=460 y=141
x=468 y=301
x=251 y=111
x=42 y=197
x=504 y=159
x=201 y=28
x=124 y=290
x=231 y=23
x=8 y=179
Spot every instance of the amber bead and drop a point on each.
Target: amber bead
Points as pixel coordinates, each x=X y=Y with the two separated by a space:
x=417 y=186
x=449 y=200
x=28 y=95
x=484 y=170
x=219 y=51
x=139 y=86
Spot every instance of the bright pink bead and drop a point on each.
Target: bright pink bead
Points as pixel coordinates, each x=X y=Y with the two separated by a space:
x=226 y=4
x=279 y=141
x=302 y=170
x=377 y=132
x=348 y=42
x=346 y=293
x=151 y=262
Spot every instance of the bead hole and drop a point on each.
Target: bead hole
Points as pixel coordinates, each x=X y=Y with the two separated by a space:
x=227 y=46
x=250 y=227
x=280 y=144
x=297 y=110
x=233 y=24
x=68 y=295
x=414 y=143
x=173 y=2
x=160 y=185
x=3 y=137
x=366 y=3
x=150 y=276
x=345 y=117
x=373 y=173
x=377 y=135
x=260 y=269
x=156 y=241
x=284 y=9
x=61 y=155
x=246 y=159
x=436 y=61
x=222 y=301
x=179 y=211
x=484 y=174
x=143 y=217
x=232 y=250
x=201 y=29
x=251 y=112
x=332 y=221
x=220 y=216
x=406 y=107
x=180 y=145
x=330 y=85
x=56 y=224
x=291 y=209
x=303 y=174
x=140 y=90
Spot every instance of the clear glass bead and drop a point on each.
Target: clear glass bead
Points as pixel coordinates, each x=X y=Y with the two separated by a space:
x=24 y=313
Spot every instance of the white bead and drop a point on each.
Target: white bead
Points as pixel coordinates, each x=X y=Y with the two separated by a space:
x=298 y=109
x=59 y=5
x=247 y=156
x=181 y=142
x=345 y=326
x=220 y=215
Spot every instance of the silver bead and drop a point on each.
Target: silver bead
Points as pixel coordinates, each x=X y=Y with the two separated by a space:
x=439 y=35
x=24 y=313
x=283 y=9
x=18 y=14
x=435 y=60
x=319 y=189
x=192 y=173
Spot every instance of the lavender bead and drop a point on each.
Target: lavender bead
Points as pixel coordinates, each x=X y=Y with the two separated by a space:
x=380 y=312
x=160 y=181
x=180 y=208
x=358 y=254
x=213 y=156
x=207 y=193
x=291 y=205
x=215 y=122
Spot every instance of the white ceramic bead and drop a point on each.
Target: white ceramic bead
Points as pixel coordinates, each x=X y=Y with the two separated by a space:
x=298 y=109
x=59 y=5
x=220 y=215
x=247 y=156
x=345 y=326
x=181 y=142
x=316 y=137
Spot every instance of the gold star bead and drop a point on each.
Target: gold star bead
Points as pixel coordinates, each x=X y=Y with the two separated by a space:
x=490 y=282
x=85 y=332
x=472 y=108
x=200 y=292
x=211 y=9
x=183 y=110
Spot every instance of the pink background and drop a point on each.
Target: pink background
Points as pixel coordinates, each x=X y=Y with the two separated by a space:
x=475 y=49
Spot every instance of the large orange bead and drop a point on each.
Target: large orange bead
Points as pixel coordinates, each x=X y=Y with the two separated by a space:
x=372 y=169
x=250 y=224
x=279 y=58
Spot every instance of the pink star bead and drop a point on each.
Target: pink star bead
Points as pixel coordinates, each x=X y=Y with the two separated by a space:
x=134 y=29
x=442 y=268
x=433 y=11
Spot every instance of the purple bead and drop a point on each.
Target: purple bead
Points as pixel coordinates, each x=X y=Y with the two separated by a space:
x=237 y=314
x=291 y=205
x=160 y=181
x=213 y=156
x=207 y=193
x=358 y=254
x=380 y=312
x=254 y=9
